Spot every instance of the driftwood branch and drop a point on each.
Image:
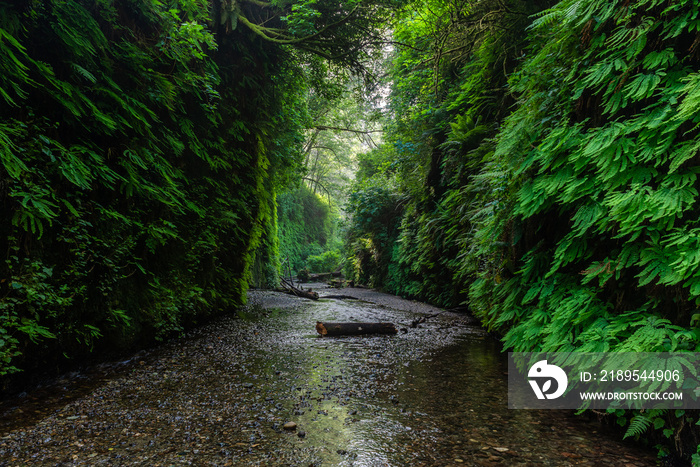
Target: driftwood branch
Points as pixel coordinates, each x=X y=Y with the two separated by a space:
x=322 y=276
x=339 y=297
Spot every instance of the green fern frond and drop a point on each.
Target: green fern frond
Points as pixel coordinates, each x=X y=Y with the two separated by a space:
x=84 y=73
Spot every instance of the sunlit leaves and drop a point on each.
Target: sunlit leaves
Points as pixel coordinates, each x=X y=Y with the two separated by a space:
x=301 y=20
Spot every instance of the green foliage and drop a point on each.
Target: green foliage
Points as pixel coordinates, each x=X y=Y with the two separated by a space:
x=595 y=149
x=303 y=275
x=343 y=32
x=598 y=216
x=375 y=219
x=548 y=174
x=328 y=261
x=307 y=226
x=448 y=98
x=266 y=266
x=342 y=126
x=141 y=148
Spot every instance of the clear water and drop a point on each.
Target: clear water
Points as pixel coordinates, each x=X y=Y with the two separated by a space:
x=433 y=395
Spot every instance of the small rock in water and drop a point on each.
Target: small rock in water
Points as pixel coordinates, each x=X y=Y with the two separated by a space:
x=301 y=434
x=290 y=426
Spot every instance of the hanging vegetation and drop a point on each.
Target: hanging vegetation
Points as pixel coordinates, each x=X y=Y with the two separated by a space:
x=600 y=185
x=547 y=167
x=141 y=147
x=307 y=226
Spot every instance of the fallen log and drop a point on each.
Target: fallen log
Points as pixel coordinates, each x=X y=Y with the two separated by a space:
x=303 y=293
x=290 y=289
x=354 y=329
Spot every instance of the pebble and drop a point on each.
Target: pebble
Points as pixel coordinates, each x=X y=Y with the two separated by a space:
x=290 y=426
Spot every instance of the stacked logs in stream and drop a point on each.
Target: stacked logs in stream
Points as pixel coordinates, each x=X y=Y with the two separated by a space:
x=323 y=276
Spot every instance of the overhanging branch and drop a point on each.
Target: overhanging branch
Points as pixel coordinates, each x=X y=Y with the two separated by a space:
x=351 y=130
x=266 y=33
x=317 y=183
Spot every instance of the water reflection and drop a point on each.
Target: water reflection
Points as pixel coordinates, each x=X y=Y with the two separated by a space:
x=431 y=396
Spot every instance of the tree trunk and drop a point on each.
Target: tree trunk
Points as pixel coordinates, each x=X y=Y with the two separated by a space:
x=354 y=329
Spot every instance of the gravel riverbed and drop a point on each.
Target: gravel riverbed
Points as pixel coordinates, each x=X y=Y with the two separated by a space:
x=432 y=395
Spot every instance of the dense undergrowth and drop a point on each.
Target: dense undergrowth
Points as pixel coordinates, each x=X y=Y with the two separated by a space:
x=545 y=163
x=135 y=176
x=142 y=144
x=541 y=167
x=308 y=232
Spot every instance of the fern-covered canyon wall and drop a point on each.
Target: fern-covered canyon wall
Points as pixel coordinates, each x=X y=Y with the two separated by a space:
x=539 y=166
x=543 y=170
x=141 y=147
x=308 y=232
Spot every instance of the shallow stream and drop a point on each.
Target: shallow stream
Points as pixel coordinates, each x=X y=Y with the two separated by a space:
x=432 y=395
